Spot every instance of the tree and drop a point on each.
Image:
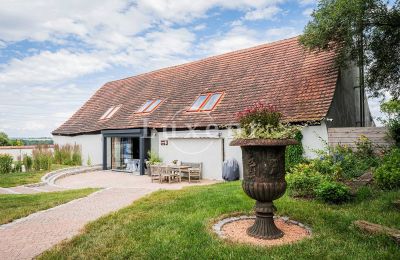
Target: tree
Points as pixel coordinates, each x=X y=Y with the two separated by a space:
x=366 y=31
x=4 y=140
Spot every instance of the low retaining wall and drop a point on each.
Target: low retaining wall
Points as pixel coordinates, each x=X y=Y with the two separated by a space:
x=51 y=177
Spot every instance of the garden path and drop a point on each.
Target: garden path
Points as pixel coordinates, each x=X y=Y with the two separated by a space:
x=27 y=237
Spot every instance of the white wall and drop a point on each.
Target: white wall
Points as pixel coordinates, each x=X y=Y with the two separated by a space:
x=199 y=146
x=17 y=152
x=314 y=138
x=92 y=145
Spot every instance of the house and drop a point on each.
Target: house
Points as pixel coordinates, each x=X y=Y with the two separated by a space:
x=186 y=112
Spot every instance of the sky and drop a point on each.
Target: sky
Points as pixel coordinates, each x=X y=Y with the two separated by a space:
x=54 y=54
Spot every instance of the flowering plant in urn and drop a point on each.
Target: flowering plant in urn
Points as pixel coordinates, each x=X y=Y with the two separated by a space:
x=263 y=138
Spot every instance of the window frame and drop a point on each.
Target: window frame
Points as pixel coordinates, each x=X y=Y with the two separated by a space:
x=144 y=111
x=110 y=112
x=216 y=102
x=208 y=96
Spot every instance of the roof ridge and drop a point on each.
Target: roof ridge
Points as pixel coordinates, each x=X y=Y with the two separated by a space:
x=259 y=46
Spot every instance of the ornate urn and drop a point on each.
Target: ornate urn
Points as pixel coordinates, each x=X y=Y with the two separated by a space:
x=264 y=180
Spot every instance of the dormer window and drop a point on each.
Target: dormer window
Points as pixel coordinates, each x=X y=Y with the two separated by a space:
x=149 y=106
x=110 y=112
x=206 y=102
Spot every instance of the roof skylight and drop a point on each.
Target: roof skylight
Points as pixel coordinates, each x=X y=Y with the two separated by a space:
x=205 y=102
x=110 y=112
x=149 y=106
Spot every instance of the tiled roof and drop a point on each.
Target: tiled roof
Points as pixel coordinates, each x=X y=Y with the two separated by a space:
x=301 y=84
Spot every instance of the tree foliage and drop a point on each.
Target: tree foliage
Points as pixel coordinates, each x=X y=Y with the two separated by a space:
x=4 y=140
x=346 y=25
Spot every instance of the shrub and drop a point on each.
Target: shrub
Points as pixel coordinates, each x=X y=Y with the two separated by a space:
x=387 y=175
x=17 y=166
x=364 y=147
x=27 y=160
x=6 y=163
x=302 y=180
x=42 y=157
x=392 y=109
x=332 y=192
x=294 y=153
x=153 y=158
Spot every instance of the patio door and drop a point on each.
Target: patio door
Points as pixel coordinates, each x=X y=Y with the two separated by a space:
x=124 y=153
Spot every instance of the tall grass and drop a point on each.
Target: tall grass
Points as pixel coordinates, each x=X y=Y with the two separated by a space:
x=42 y=157
x=68 y=154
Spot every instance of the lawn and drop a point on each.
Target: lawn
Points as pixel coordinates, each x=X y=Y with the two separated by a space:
x=21 y=205
x=176 y=224
x=22 y=178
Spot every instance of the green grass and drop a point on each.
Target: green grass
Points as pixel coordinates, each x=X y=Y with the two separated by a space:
x=22 y=178
x=176 y=224
x=17 y=206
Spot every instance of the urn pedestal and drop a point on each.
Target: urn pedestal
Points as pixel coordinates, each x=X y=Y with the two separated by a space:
x=264 y=180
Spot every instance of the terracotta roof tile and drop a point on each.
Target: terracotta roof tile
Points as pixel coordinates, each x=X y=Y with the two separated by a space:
x=301 y=84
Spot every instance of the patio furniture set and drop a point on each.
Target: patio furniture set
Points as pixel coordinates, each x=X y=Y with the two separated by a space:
x=175 y=172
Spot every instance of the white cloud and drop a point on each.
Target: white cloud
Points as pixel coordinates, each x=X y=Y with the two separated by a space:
x=49 y=66
x=267 y=13
x=242 y=37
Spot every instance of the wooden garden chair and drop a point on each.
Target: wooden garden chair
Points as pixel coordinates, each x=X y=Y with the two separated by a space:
x=155 y=173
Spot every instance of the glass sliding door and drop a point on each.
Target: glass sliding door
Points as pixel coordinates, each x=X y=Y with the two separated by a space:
x=124 y=153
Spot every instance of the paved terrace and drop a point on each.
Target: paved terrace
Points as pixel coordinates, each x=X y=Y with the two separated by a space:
x=27 y=237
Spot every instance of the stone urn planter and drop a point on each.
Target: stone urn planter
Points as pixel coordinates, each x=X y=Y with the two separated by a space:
x=264 y=180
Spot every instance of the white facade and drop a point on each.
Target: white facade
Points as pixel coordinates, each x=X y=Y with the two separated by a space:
x=314 y=138
x=92 y=146
x=210 y=147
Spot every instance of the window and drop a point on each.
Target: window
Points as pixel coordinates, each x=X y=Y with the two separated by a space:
x=152 y=106
x=205 y=102
x=110 y=112
x=149 y=106
x=211 y=102
x=142 y=108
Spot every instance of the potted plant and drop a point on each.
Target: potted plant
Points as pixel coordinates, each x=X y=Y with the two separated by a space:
x=263 y=139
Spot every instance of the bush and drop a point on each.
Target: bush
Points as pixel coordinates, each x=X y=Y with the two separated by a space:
x=42 y=157
x=387 y=175
x=17 y=166
x=294 y=153
x=5 y=163
x=302 y=180
x=332 y=192
x=27 y=160
x=392 y=109
x=153 y=158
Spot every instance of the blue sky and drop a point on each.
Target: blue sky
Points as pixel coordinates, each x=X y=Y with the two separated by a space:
x=54 y=54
